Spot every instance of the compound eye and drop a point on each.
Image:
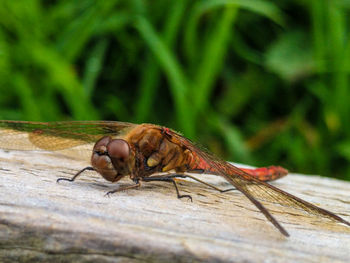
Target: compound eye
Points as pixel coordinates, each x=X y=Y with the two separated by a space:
x=118 y=149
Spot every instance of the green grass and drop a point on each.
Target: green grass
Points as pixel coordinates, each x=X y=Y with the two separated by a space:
x=256 y=81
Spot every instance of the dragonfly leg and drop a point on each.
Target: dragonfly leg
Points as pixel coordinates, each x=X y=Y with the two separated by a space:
x=166 y=179
x=198 y=180
x=227 y=190
x=89 y=168
x=137 y=185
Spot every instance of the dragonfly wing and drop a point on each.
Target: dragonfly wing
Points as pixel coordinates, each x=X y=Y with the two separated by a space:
x=266 y=192
x=55 y=136
x=257 y=191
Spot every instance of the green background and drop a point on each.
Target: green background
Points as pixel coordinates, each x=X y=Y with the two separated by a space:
x=257 y=82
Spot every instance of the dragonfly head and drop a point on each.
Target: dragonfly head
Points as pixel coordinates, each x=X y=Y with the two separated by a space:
x=112 y=158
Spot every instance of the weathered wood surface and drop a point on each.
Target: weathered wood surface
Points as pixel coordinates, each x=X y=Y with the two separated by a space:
x=42 y=221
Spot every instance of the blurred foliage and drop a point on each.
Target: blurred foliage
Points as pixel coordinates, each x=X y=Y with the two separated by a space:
x=256 y=81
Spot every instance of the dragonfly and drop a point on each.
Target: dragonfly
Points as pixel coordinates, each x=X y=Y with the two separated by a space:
x=149 y=153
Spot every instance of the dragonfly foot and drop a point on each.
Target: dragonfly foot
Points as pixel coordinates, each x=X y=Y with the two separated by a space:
x=188 y=196
x=64 y=179
x=138 y=184
x=108 y=194
x=89 y=168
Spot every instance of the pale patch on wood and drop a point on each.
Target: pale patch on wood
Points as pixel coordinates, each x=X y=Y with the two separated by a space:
x=43 y=220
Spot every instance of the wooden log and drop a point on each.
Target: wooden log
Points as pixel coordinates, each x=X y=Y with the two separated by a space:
x=45 y=221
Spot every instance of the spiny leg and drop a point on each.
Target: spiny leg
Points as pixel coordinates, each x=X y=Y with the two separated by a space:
x=166 y=179
x=89 y=168
x=138 y=184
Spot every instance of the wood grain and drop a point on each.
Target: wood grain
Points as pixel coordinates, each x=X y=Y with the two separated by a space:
x=43 y=221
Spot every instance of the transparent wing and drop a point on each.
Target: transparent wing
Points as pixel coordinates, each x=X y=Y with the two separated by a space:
x=54 y=136
x=257 y=191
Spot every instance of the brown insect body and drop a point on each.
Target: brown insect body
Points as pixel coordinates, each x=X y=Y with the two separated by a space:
x=148 y=149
